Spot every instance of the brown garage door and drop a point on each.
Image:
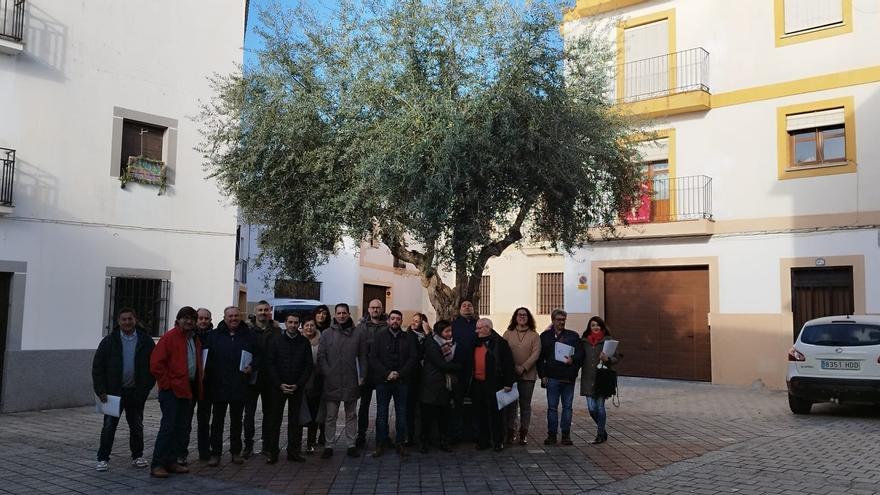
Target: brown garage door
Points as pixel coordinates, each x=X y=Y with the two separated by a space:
x=661 y=317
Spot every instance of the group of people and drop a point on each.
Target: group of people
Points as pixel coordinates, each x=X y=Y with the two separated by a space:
x=443 y=380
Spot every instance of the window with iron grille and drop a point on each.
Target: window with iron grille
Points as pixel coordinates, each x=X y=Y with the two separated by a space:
x=550 y=292
x=483 y=308
x=298 y=289
x=149 y=297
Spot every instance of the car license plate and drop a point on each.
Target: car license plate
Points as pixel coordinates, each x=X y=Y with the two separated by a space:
x=839 y=364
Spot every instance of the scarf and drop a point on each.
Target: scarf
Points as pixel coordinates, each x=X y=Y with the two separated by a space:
x=593 y=338
x=447 y=347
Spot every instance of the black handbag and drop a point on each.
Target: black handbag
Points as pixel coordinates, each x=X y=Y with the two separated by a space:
x=606 y=382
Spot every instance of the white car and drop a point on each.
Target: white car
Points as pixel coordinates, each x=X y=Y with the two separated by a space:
x=835 y=359
x=282 y=307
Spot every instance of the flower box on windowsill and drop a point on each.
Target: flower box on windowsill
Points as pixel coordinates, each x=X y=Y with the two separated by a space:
x=145 y=171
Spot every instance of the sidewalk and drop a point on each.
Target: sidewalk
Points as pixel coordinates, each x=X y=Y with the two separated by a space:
x=666 y=437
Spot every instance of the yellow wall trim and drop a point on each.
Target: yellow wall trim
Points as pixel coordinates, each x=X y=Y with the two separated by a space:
x=587 y=8
x=784 y=149
x=783 y=39
x=761 y=336
x=688 y=228
x=744 y=226
x=799 y=86
x=664 y=106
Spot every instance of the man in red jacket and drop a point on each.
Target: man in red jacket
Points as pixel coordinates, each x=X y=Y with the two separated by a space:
x=177 y=365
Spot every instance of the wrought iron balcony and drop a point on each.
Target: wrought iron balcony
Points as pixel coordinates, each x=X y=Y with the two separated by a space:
x=665 y=75
x=7 y=173
x=674 y=199
x=12 y=20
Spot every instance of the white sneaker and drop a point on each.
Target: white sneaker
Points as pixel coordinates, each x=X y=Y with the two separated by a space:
x=140 y=462
x=102 y=466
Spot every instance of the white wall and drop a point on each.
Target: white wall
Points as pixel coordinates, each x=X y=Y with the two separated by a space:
x=740 y=38
x=737 y=147
x=71 y=219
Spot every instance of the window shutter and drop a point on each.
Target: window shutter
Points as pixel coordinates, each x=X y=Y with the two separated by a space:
x=646 y=48
x=646 y=41
x=131 y=141
x=812 y=120
x=807 y=14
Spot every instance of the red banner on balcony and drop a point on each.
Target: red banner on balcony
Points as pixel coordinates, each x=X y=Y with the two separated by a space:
x=642 y=212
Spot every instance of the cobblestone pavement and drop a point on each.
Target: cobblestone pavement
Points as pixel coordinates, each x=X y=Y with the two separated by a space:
x=666 y=437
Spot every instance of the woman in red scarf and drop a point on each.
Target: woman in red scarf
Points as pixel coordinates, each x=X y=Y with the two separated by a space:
x=593 y=341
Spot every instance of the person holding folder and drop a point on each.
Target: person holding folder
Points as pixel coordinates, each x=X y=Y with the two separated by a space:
x=493 y=370
x=558 y=366
x=228 y=347
x=121 y=367
x=593 y=340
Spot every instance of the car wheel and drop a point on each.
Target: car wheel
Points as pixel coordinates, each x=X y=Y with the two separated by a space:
x=798 y=405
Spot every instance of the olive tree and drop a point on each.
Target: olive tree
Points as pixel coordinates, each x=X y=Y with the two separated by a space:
x=449 y=130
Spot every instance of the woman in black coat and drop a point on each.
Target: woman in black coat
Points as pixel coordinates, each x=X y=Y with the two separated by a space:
x=436 y=384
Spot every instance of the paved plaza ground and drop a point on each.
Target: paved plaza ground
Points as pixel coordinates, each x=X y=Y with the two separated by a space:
x=666 y=437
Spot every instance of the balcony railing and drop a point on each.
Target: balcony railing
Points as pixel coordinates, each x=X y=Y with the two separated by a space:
x=7 y=173
x=12 y=19
x=664 y=75
x=674 y=199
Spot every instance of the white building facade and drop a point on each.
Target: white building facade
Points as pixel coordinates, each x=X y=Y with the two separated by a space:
x=355 y=275
x=761 y=208
x=83 y=86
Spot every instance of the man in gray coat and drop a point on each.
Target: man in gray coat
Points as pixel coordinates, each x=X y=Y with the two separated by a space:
x=342 y=361
x=374 y=324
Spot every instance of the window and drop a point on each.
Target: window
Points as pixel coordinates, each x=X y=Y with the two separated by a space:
x=298 y=289
x=801 y=15
x=142 y=134
x=397 y=263
x=644 y=46
x=147 y=296
x=657 y=203
x=817 y=139
x=483 y=306
x=806 y=20
x=550 y=292
x=139 y=139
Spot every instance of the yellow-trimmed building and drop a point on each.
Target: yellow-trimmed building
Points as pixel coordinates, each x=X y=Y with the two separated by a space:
x=764 y=173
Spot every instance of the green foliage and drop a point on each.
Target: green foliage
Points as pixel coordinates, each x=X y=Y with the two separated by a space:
x=447 y=128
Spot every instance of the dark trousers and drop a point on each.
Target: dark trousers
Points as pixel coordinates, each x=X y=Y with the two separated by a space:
x=256 y=393
x=490 y=427
x=236 y=409
x=384 y=393
x=275 y=418
x=203 y=429
x=413 y=411
x=133 y=406
x=171 y=440
x=364 y=409
x=431 y=415
x=315 y=429
x=460 y=422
